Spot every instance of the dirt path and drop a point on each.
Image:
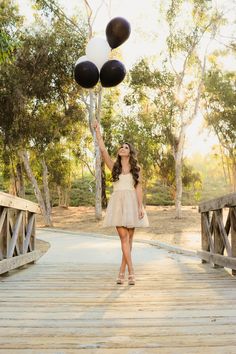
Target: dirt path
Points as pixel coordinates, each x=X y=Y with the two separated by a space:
x=164 y=227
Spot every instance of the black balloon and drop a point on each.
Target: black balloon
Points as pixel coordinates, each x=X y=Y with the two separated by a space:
x=86 y=74
x=117 y=31
x=112 y=73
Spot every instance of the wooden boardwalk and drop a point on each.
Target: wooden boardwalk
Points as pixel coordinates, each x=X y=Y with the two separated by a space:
x=69 y=303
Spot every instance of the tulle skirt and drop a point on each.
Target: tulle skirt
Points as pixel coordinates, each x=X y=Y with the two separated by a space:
x=122 y=210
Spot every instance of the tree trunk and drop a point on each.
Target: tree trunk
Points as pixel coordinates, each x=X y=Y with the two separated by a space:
x=234 y=176
x=12 y=186
x=178 y=155
x=23 y=155
x=20 y=187
x=46 y=191
x=233 y=162
x=59 y=195
x=179 y=188
x=98 y=175
x=104 y=197
x=66 y=197
x=227 y=178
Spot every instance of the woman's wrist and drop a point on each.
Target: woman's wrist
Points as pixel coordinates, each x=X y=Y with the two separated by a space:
x=99 y=137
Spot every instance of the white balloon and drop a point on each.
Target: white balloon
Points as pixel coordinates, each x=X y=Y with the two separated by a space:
x=81 y=59
x=98 y=51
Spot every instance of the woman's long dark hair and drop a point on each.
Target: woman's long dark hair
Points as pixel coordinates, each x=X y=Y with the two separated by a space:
x=134 y=168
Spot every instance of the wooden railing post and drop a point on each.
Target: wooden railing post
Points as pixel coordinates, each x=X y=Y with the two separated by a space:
x=218 y=242
x=204 y=236
x=17 y=232
x=233 y=233
x=4 y=232
x=214 y=233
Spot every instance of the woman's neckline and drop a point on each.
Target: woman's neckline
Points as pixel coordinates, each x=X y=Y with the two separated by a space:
x=124 y=174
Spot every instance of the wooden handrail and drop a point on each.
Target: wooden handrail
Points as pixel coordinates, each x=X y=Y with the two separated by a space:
x=228 y=200
x=11 y=201
x=217 y=247
x=17 y=232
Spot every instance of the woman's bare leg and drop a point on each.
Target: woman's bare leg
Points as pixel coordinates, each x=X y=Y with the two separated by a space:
x=131 y=235
x=123 y=262
x=126 y=249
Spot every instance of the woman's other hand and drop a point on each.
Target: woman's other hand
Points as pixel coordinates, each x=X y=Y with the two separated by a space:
x=140 y=212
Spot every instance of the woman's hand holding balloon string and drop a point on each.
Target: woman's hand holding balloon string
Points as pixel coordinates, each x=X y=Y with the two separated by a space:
x=100 y=141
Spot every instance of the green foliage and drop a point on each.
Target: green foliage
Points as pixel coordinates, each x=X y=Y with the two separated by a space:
x=10 y=22
x=159 y=194
x=213 y=180
x=109 y=119
x=83 y=192
x=41 y=75
x=220 y=97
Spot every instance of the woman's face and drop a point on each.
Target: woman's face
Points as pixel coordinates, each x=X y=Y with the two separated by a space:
x=124 y=150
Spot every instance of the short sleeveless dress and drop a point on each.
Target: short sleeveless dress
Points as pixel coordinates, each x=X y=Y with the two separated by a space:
x=122 y=209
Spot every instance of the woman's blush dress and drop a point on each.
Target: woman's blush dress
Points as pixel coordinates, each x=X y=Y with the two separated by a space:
x=122 y=209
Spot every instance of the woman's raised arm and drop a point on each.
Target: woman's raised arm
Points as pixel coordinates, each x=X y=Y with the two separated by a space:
x=104 y=152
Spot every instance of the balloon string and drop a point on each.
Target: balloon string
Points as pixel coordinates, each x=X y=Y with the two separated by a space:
x=99 y=103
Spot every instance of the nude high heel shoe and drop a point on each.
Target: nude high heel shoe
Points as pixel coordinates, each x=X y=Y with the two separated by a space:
x=131 y=279
x=121 y=278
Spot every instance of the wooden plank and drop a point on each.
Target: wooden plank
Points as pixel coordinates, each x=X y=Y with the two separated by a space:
x=218 y=203
x=207 y=242
x=233 y=234
x=15 y=234
x=11 y=201
x=222 y=232
x=32 y=242
x=83 y=342
x=5 y=235
x=63 y=298
x=29 y=232
x=137 y=331
x=38 y=305
x=228 y=262
x=187 y=350
x=117 y=323
x=3 y=213
x=227 y=224
x=42 y=312
x=21 y=235
x=96 y=312
x=2 y=218
x=15 y=262
x=218 y=243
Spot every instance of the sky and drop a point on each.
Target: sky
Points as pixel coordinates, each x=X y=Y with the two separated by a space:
x=146 y=39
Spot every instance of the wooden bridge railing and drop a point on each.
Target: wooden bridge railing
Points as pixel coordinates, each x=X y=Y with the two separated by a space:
x=17 y=232
x=219 y=239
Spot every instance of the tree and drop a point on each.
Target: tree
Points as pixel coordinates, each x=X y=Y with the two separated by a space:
x=175 y=90
x=220 y=114
x=184 y=43
x=92 y=100
x=38 y=98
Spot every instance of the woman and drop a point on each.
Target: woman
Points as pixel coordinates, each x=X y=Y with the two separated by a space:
x=125 y=209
